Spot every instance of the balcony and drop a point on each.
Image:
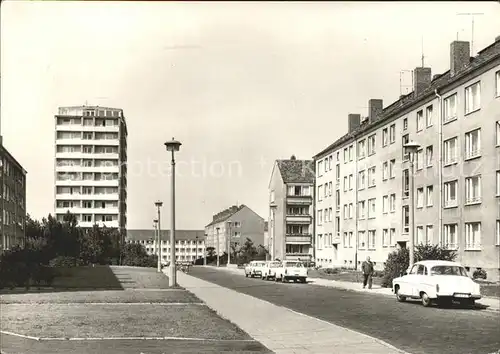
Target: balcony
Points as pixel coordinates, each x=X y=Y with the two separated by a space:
x=299 y=199
x=297 y=256
x=298 y=239
x=298 y=219
x=88 y=183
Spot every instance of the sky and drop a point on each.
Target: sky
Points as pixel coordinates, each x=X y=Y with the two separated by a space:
x=238 y=84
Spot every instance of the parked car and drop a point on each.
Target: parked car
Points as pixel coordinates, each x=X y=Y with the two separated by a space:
x=254 y=269
x=441 y=282
x=269 y=268
x=290 y=270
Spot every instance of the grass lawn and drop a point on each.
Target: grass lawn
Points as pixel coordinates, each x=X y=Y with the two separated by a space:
x=350 y=276
x=492 y=290
x=98 y=277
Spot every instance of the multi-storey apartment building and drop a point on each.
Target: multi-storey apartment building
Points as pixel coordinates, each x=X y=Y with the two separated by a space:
x=91 y=165
x=12 y=200
x=291 y=212
x=235 y=224
x=189 y=244
x=455 y=119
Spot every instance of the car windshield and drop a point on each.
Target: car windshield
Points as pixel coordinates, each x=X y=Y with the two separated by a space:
x=294 y=264
x=274 y=264
x=448 y=270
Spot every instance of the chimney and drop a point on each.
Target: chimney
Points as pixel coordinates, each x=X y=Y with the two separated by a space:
x=375 y=107
x=421 y=79
x=353 y=121
x=293 y=158
x=459 y=56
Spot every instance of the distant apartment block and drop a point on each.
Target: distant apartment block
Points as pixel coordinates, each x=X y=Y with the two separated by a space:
x=232 y=226
x=291 y=212
x=455 y=118
x=91 y=165
x=189 y=244
x=12 y=200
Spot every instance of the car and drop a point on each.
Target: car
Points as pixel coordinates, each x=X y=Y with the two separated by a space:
x=254 y=269
x=440 y=282
x=290 y=270
x=268 y=269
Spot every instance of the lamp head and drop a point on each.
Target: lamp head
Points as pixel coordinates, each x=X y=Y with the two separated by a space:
x=173 y=145
x=411 y=147
x=273 y=206
x=158 y=204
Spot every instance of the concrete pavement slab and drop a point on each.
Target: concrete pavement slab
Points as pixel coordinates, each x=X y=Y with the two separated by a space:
x=280 y=329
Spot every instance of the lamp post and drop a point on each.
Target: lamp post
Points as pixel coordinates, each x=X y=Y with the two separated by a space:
x=228 y=243
x=158 y=205
x=155 y=225
x=411 y=149
x=273 y=207
x=205 y=250
x=173 y=146
x=196 y=250
x=218 y=248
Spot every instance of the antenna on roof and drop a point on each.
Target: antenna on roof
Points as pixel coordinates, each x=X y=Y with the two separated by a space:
x=472 y=14
x=423 y=51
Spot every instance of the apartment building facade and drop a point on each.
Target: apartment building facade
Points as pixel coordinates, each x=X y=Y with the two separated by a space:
x=454 y=118
x=189 y=244
x=291 y=210
x=231 y=227
x=90 y=167
x=12 y=200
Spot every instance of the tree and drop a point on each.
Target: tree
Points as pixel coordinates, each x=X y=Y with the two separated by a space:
x=247 y=251
x=262 y=253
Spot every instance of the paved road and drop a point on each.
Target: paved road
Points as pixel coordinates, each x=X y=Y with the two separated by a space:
x=407 y=326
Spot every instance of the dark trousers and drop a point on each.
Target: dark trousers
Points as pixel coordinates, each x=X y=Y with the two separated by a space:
x=367 y=279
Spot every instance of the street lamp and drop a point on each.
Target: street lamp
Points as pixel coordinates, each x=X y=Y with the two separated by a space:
x=273 y=207
x=228 y=243
x=196 y=250
x=158 y=205
x=411 y=149
x=173 y=146
x=218 y=248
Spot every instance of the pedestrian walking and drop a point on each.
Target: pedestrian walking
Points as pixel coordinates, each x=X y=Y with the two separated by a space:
x=367 y=268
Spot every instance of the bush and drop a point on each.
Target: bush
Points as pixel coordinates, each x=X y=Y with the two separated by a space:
x=331 y=270
x=63 y=262
x=479 y=274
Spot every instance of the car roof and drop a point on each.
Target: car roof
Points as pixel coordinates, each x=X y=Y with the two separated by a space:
x=432 y=263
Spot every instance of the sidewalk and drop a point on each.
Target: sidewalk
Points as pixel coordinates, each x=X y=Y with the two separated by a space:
x=492 y=303
x=278 y=328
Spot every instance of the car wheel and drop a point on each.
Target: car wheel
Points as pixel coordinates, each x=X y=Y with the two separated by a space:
x=246 y=275
x=426 y=301
x=400 y=297
x=303 y=280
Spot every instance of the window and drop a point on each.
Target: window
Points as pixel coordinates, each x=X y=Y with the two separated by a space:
x=345 y=183
x=345 y=240
x=330 y=189
x=450 y=151
x=405 y=140
x=420 y=120
x=320 y=217
x=450 y=108
x=372 y=239
x=392 y=133
x=406 y=219
x=392 y=237
x=420 y=197
x=420 y=235
x=351 y=211
x=473 y=97
x=87 y=218
x=420 y=159
x=429 y=155
x=326 y=165
x=362 y=181
x=498 y=184
x=330 y=214
x=371 y=208
x=498 y=134
x=350 y=239
x=392 y=203
x=345 y=155
x=371 y=144
x=337 y=173
x=450 y=194
x=87 y=204
x=87 y=136
x=406 y=183
x=473 y=144
x=385 y=137
x=87 y=149
x=371 y=177
x=319 y=193
x=320 y=167
x=325 y=218
x=385 y=237
x=429 y=196
x=337 y=199
x=497 y=232
x=472 y=235
x=361 y=238
x=362 y=209
x=337 y=226
x=449 y=240
x=361 y=149
x=346 y=212
x=429 y=234
x=428 y=116
x=392 y=168
x=326 y=190
x=405 y=124
x=350 y=153
x=87 y=190
x=385 y=170
x=497 y=83
x=330 y=159
x=473 y=190
x=385 y=204
x=350 y=182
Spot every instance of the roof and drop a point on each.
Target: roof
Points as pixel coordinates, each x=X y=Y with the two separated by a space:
x=149 y=234
x=440 y=82
x=225 y=214
x=11 y=158
x=297 y=171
